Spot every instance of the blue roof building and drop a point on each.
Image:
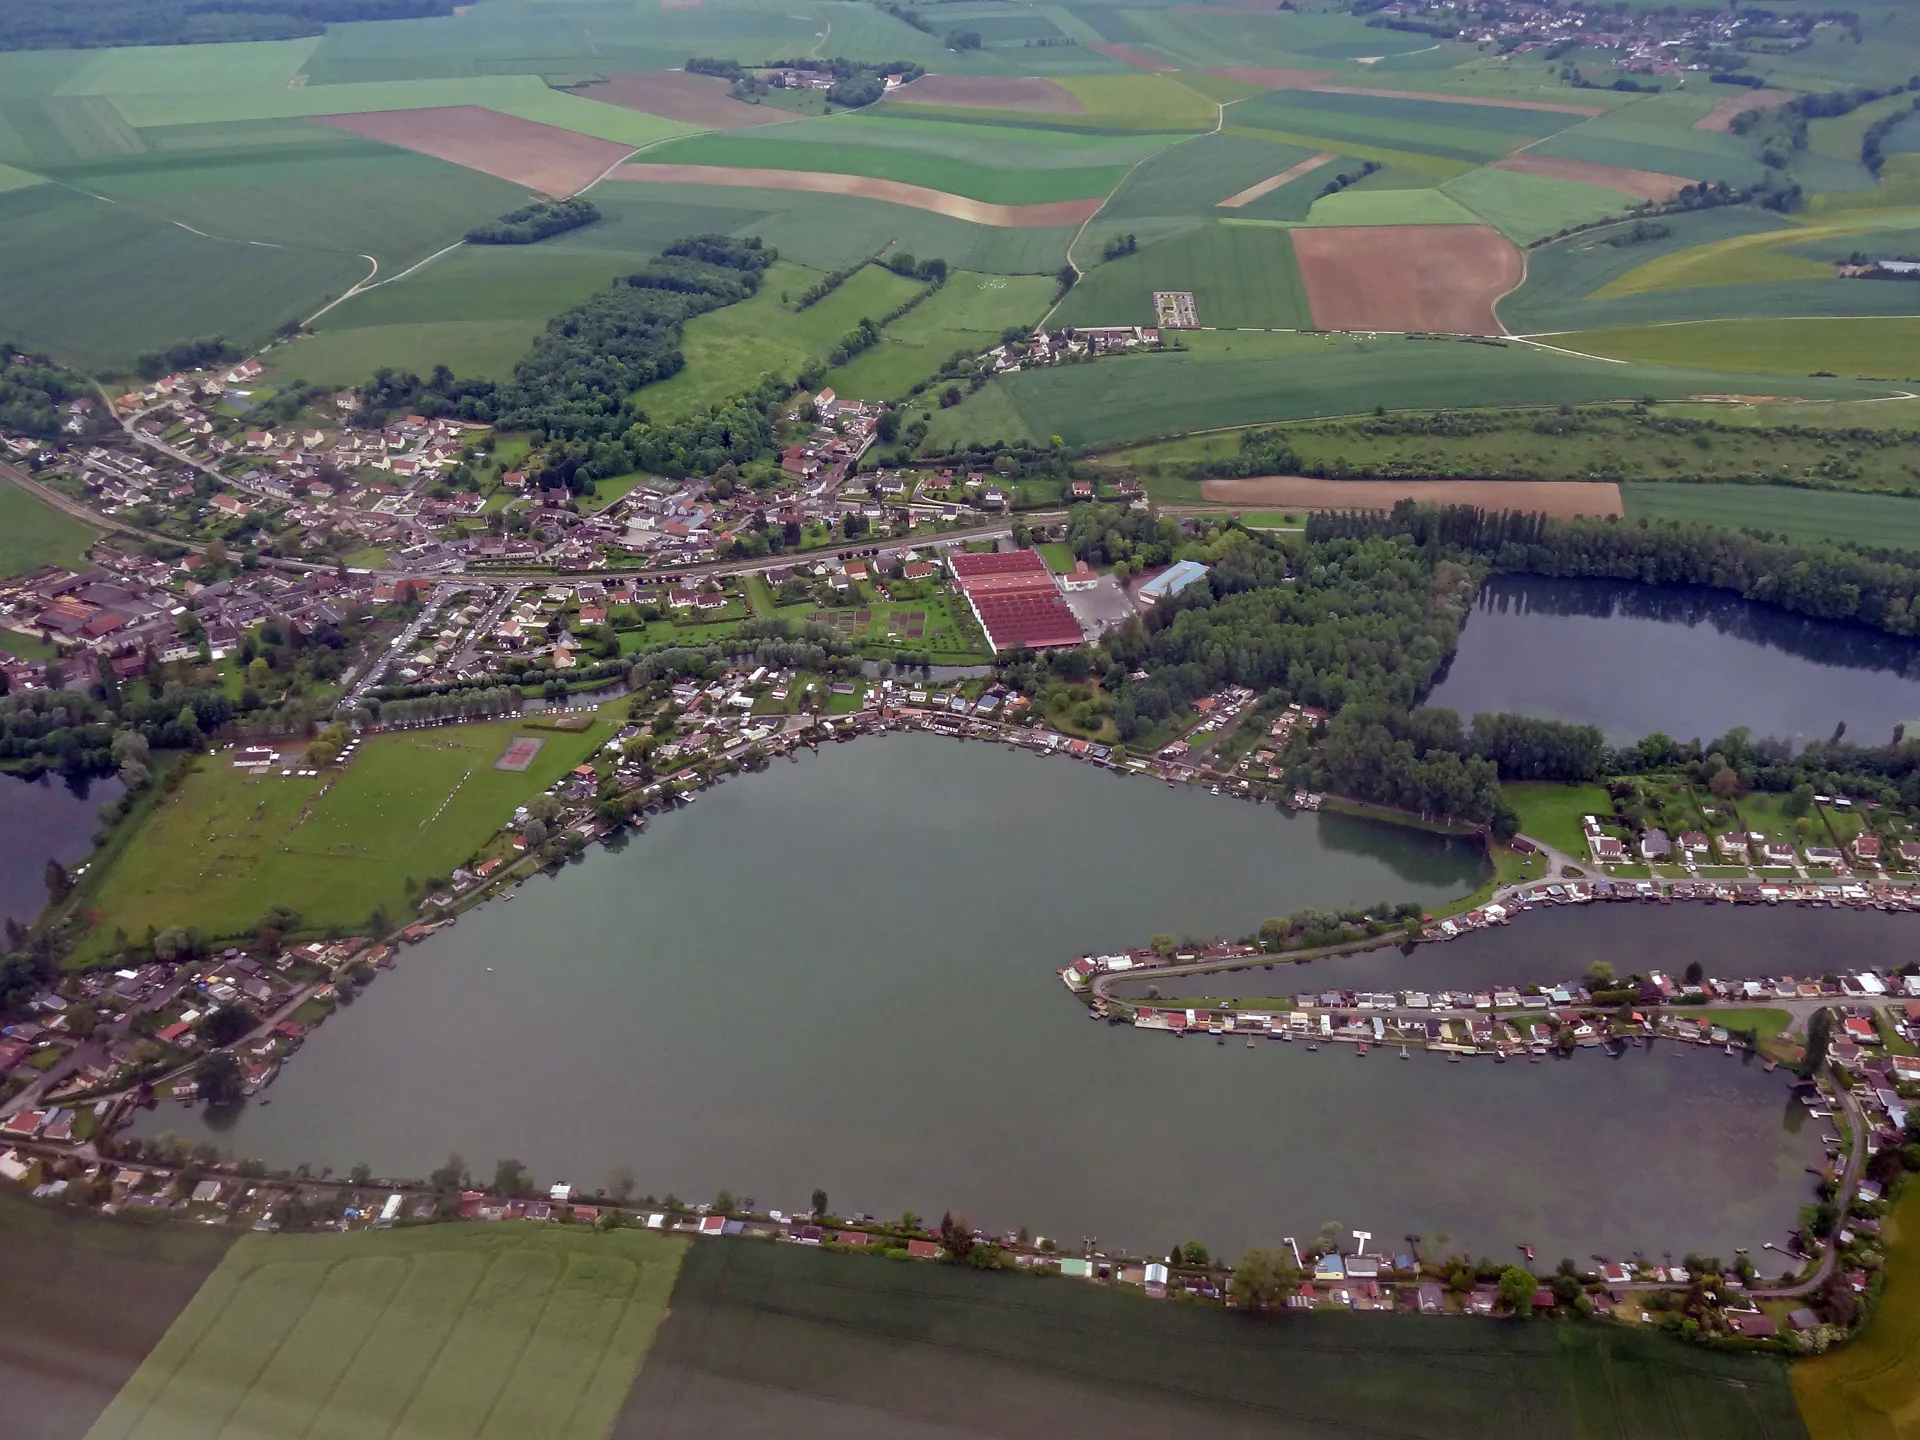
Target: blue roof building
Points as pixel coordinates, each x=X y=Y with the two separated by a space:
x=1172 y=580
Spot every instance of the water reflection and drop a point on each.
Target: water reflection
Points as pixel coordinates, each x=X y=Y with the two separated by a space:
x=49 y=817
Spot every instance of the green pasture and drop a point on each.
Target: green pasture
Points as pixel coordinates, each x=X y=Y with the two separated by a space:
x=935 y=172
x=1890 y=522
x=425 y=1333
x=970 y=312
x=228 y=845
x=1551 y=813
x=1193 y=178
x=34 y=533
x=1526 y=208
x=865 y=1348
x=1228 y=379
x=728 y=350
x=1882 y=348
x=95 y=283
x=823 y=231
x=1240 y=275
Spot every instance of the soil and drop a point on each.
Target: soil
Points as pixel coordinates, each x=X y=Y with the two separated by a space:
x=1647 y=184
x=1273 y=79
x=992 y=92
x=959 y=207
x=1127 y=55
x=1720 y=118
x=1441 y=279
x=676 y=95
x=1283 y=492
x=1273 y=182
x=541 y=157
x=1587 y=111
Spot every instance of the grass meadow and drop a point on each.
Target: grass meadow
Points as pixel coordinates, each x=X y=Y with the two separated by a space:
x=228 y=845
x=1870 y=1388
x=33 y=533
x=512 y=1331
x=1552 y=812
x=1240 y=275
x=1473 y=134
x=968 y=313
x=1878 y=521
x=1526 y=208
x=1881 y=348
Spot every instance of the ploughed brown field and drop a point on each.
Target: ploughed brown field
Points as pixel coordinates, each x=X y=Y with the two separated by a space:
x=694 y=99
x=1273 y=182
x=1554 y=497
x=980 y=212
x=1647 y=184
x=992 y=92
x=1272 y=78
x=1439 y=278
x=1720 y=118
x=541 y=157
x=1128 y=55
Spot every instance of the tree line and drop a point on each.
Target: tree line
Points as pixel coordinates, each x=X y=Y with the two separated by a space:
x=34 y=393
x=533 y=223
x=98 y=24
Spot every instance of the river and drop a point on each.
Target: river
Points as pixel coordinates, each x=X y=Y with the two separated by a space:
x=46 y=818
x=1691 y=662
x=841 y=974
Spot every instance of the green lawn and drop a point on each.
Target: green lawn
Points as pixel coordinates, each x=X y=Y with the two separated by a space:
x=33 y=533
x=1059 y=557
x=482 y=1332
x=227 y=846
x=1881 y=521
x=1552 y=812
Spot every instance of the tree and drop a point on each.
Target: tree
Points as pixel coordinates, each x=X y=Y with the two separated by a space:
x=956 y=1239
x=723 y=1203
x=361 y=1174
x=1263 y=1279
x=450 y=1176
x=819 y=1203
x=1799 y=801
x=1516 y=1289
x=1695 y=972
x=910 y=1220
x=620 y=1185
x=510 y=1179
x=58 y=881
x=1725 y=784
x=217 y=1079
x=226 y=1024
x=1600 y=975
x=1163 y=945
x=1819 y=1036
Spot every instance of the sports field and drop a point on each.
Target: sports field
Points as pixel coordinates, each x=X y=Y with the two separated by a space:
x=1886 y=348
x=849 y=1348
x=228 y=845
x=1870 y=1390
x=441 y=1332
x=32 y=533
x=1889 y=522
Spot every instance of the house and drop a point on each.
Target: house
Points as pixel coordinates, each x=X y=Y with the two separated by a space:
x=1606 y=848
x=1866 y=849
x=1654 y=845
x=1432 y=1298
x=923 y=1250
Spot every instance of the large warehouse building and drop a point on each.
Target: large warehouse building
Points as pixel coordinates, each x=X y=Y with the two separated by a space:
x=1014 y=598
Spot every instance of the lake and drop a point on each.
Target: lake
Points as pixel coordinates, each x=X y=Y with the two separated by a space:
x=841 y=974
x=1691 y=662
x=46 y=818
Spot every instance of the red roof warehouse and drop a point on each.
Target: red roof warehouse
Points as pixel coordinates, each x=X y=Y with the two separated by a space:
x=1015 y=600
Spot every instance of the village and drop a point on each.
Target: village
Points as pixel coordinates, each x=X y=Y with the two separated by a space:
x=1661 y=42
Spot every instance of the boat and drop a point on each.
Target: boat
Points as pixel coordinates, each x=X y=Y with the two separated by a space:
x=1313 y=1044
x=1249 y=1044
x=1403 y=1053
x=1361 y=1049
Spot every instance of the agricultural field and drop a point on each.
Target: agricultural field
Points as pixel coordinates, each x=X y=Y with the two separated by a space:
x=1526 y=208
x=1887 y=522
x=970 y=312
x=425 y=1333
x=1882 y=348
x=1868 y=1389
x=1240 y=276
x=848 y=1346
x=33 y=533
x=228 y=845
x=1467 y=133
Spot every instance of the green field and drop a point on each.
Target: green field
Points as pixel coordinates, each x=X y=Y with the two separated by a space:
x=1355 y=206
x=1526 y=208
x=857 y=1348
x=728 y=350
x=227 y=846
x=1190 y=180
x=1551 y=813
x=1240 y=275
x=1654 y=135
x=968 y=313
x=441 y=1332
x=1471 y=133
x=1870 y=1389
x=1876 y=521
x=1886 y=348
x=33 y=533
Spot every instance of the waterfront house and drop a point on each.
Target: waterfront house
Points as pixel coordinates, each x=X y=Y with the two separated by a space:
x=925 y=1250
x=1433 y=1299
x=1654 y=845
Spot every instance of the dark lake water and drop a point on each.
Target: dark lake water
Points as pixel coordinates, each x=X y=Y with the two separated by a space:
x=45 y=819
x=841 y=974
x=1691 y=662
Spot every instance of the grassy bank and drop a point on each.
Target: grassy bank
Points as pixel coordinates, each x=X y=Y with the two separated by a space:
x=1871 y=1389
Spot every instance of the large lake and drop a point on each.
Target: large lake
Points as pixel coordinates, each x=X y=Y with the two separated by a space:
x=1691 y=662
x=841 y=974
x=48 y=818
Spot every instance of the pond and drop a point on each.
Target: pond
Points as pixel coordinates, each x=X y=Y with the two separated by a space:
x=841 y=974
x=1691 y=662
x=45 y=818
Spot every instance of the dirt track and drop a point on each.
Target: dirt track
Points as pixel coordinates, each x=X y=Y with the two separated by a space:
x=959 y=207
x=1554 y=497
x=1273 y=182
x=1720 y=118
x=694 y=99
x=1439 y=278
x=541 y=157
x=1127 y=55
x=992 y=92
x=1647 y=184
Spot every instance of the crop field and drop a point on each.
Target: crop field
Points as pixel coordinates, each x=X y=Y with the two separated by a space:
x=729 y=349
x=1192 y=179
x=479 y=349
x=33 y=533
x=1884 y=348
x=1456 y=132
x=1240 y=275
x=969 y=313
x=977 y=140
x=983 y=92
x=1526 y=208
x=543 y=158
x=1419 y=205
x=1870 y=1388
x=1641 y=184
x=1138 y=102
x=851 y=1347
x=702 y=100
x=1878 y=521
x=1224 y=380
x=228 y=845
x=1048 y=214
x=1561 y=498
x=929 y=171
x=1637 y=143
x=82 y=1301
x=430 y=1333
x=1442 y=278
